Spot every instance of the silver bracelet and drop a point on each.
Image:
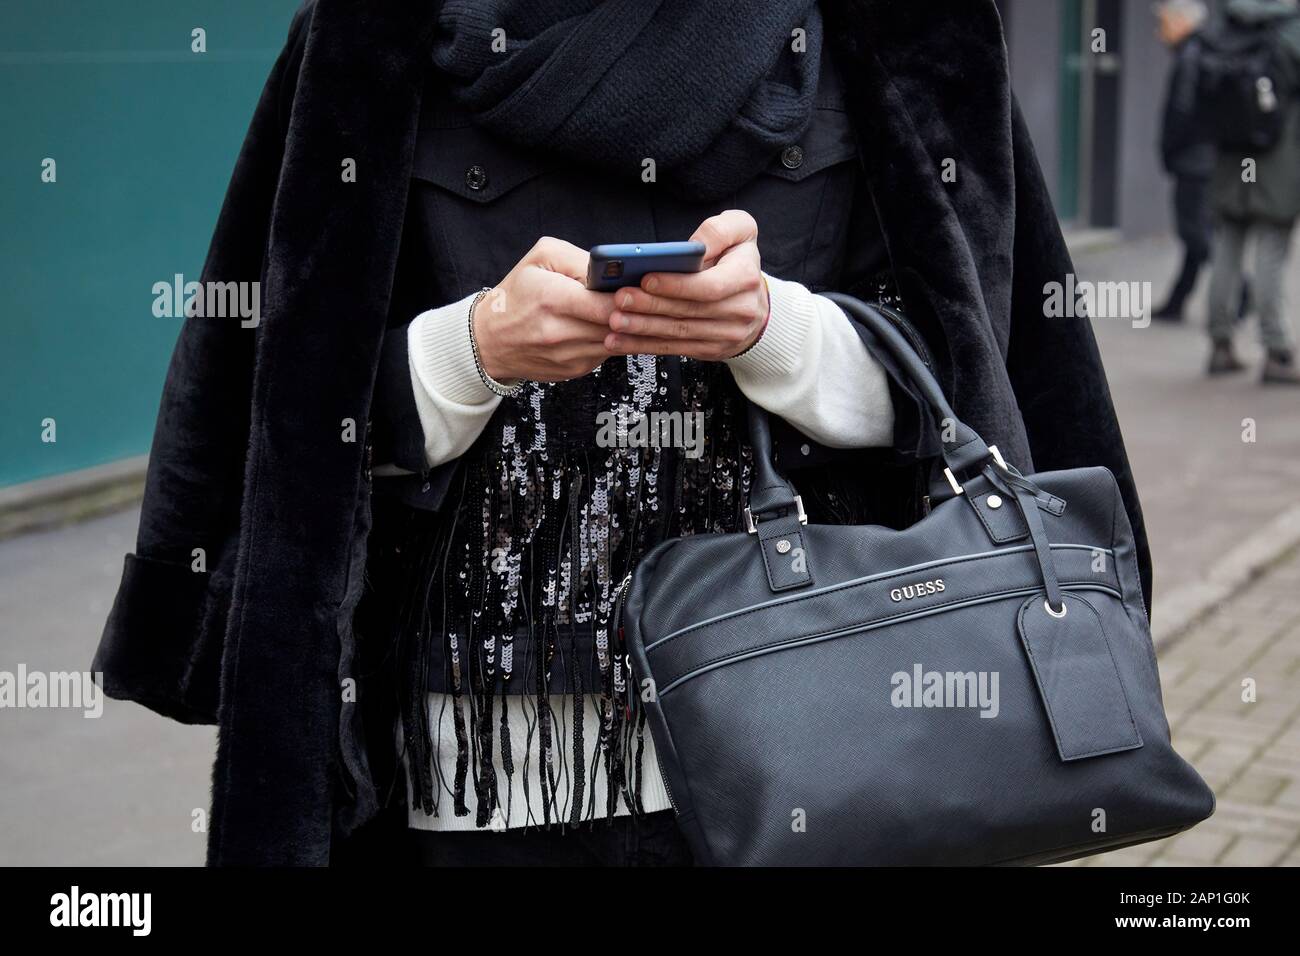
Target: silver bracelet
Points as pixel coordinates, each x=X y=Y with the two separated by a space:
x=505 y=391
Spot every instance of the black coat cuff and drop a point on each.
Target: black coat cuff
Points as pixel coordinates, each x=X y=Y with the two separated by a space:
x=158 y=648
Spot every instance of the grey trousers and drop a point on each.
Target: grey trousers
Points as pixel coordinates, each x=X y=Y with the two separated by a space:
x=1273 y=241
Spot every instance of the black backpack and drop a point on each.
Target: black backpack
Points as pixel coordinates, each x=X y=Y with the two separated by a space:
x=1243 y=101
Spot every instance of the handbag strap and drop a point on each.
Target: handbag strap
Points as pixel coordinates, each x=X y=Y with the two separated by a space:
x=961 y=449
x=965 y=451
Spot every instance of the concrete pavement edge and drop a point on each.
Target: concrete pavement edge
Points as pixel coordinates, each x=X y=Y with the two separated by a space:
x=1177 y=611
x=71 y=497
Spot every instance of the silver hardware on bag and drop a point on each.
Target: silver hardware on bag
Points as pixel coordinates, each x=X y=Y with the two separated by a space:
x=958 y=489
x=492 y=385
x=751 y=525
x=994 y=501
x=1047 y=606
x=783 y=546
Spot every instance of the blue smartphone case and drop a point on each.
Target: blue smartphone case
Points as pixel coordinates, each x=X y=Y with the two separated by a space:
x=621 y=264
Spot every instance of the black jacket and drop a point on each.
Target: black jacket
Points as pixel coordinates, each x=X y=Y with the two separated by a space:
x=1185 y=145
x=250 y=462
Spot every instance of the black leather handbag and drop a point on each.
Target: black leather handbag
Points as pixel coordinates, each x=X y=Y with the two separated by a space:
x=978 y=688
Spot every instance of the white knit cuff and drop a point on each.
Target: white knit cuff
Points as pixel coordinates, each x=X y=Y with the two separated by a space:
x=442 y=356
x=776 y=353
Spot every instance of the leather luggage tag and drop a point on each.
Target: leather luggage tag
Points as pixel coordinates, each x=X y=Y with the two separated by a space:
x=1077 y=679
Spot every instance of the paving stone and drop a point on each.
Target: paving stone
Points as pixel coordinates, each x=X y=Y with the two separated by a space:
x=1139 y=855
x=1239 y=732
x=1227 y=754
x=1255 y=787
x=1247 y=751
x=1201 y=845
x=1249 y=851
x=1289 y=795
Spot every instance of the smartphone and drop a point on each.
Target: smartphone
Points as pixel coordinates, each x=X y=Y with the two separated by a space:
x=617 y=265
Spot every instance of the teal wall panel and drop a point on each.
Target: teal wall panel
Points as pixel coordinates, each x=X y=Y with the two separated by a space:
x=145 y=134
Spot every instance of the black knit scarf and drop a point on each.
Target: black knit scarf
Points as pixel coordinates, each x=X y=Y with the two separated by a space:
x=709 y=90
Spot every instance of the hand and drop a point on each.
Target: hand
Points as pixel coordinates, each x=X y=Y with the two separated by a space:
x=713 y=314
x=541 y=322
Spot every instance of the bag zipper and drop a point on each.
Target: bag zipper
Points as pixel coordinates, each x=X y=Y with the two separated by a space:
x=616 y=619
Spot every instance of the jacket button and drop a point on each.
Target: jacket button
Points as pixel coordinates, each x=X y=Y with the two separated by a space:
x=792 y=157
x=476 y=177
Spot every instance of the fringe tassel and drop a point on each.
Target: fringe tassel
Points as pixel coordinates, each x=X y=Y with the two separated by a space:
x=532 y=544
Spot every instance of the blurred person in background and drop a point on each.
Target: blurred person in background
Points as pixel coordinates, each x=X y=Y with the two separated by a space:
x=1250 y=73
x=1186 y=148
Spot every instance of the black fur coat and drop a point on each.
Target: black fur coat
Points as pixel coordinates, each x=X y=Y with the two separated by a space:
x=236 y=607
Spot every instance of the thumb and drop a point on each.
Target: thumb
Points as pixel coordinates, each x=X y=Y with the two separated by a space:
x=559 y=256
x=719 y=233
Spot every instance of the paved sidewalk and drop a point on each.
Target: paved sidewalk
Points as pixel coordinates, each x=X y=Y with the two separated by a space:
x=118 y=790
x=1204 y=487
x=1249 y=753
x=1205 y=491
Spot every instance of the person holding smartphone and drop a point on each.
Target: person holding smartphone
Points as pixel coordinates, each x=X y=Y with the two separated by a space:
x=449 y=448
x=515 y=381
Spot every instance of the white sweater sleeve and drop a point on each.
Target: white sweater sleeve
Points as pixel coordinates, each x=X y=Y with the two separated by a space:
x=453 y=403
x=811 y=368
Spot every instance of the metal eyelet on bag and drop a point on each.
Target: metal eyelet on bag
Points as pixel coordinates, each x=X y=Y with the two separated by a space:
x=1056 y=614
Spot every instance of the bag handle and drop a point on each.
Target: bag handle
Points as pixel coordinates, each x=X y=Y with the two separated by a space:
x=966 y=451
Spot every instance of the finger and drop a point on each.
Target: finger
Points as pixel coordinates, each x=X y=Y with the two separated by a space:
x=735 y=273
x=560 y=256
x=719 y=233
x=563 y=331
x=640 y=301
x=573 y=299
x=620 y=344
x=675 y=327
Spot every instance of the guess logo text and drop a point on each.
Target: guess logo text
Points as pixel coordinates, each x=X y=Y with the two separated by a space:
x=910 y=591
